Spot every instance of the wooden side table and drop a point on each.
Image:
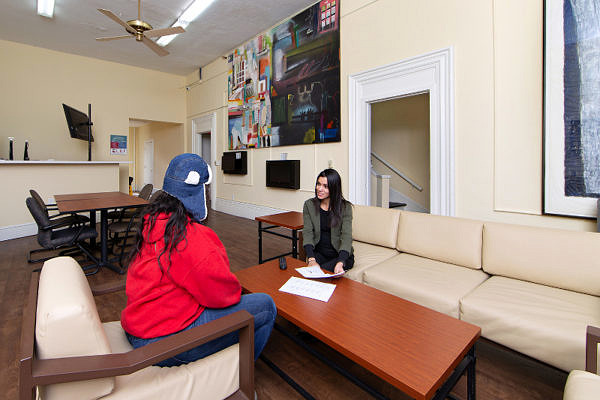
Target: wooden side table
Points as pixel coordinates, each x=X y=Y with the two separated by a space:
x=291 y=220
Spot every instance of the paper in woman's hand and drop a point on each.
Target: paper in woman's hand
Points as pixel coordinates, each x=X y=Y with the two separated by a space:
x=316 y=273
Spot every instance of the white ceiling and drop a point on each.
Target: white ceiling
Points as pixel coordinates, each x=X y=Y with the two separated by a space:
x=76 y=23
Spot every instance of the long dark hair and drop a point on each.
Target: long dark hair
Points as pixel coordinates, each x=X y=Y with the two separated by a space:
x=336 y=199
x=175 y=230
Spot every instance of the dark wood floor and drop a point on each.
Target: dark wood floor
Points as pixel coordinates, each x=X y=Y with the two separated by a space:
x=501 y=373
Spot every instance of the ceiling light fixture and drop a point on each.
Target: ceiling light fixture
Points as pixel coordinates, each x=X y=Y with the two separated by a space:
x=45 y=8
x=191 y=13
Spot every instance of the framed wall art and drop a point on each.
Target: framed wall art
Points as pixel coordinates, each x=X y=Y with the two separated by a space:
x=284 y=85
x=571 y=107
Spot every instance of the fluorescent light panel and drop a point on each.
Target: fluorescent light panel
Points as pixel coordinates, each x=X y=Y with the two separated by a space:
x=191 y=13
x=45 y=8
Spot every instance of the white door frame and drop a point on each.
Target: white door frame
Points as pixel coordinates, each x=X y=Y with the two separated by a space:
x=207 y=123
x=147 y=141
x=432 y=73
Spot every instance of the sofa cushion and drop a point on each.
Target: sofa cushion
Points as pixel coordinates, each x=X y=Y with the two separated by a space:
x=375 y=225
x=213 y=377
x=430 y=283
x=448 y=239
x=546 y=323
x=553 y=257
x=67 y=324
x=582 y=385
x=365 y=256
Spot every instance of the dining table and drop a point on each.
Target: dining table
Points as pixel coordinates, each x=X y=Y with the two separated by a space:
x=94 y=202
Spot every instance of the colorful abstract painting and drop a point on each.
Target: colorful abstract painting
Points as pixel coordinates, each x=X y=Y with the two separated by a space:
x=284 y=85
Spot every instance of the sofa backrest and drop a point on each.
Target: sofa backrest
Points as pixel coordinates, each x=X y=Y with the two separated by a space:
x=448 y=239
x=375 y=225
x=67 y=325
x=553 y=257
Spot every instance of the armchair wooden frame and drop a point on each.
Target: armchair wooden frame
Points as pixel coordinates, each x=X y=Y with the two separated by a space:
x=592 y=340
x=34 y=371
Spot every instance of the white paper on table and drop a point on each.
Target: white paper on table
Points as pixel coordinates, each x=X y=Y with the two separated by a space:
x=316 y=272
x=304 y=287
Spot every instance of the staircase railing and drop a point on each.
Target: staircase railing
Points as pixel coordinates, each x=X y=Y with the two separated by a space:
x=397 y=172
x=382 y=194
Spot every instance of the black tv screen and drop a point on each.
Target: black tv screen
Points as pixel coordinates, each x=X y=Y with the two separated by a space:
x=78 y=123
x=234 y=162
x=283 y=174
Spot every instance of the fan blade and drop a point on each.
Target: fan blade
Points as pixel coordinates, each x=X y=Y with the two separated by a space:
x=118 y=20
x=106 y=39
x=164 y=32
x=155 y=48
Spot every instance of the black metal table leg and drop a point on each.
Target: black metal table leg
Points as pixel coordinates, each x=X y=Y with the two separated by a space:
x=93 y=225
x=260 y=242
x=294 y=243
x=471 y=376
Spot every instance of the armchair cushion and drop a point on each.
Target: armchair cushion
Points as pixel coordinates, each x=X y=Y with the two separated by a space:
x=67 y=324
x=430 y=283
x=375 y=225
x=448 y=239
x=213 y=377
x=365 y=256
x=533 y=319
x=582 y=385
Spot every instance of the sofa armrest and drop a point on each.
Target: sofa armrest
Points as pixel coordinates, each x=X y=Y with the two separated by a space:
x=591 y=350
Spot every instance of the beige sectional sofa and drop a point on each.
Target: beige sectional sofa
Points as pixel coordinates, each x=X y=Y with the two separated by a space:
x=534 y=290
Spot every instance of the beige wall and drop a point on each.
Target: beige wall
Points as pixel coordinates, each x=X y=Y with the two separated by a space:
x=35 y=82
x=400 y=135
x=168 y=142
x=497 y=95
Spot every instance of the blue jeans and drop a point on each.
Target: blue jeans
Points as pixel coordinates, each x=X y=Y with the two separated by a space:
x=260 y=305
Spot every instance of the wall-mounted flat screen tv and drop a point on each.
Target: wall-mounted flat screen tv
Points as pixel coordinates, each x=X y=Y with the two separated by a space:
x=234 y=162
x=78 y=123
x=283 y=174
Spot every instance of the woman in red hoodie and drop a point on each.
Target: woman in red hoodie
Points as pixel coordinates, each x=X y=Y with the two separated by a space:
x=179 y=273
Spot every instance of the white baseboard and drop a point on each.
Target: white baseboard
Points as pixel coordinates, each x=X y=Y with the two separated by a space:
x=244 y=210
x=17 y=231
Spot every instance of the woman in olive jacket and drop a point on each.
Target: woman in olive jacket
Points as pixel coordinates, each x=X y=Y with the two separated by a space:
x=327 y=231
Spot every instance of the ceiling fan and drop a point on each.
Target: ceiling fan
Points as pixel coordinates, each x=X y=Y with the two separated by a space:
x=141 y=31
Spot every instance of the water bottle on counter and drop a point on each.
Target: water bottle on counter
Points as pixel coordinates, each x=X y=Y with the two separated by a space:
x=11 y=141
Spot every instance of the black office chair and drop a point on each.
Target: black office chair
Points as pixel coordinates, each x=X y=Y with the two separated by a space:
x=126 y=213
x=125 y=229
x=76 y=218
x=61 y=233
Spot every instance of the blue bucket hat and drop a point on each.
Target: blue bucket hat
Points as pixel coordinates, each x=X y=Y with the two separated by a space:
x=185 y=179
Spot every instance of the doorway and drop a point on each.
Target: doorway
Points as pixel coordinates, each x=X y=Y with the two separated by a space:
x=148 y=162
x=428 y=73
x=400 y=152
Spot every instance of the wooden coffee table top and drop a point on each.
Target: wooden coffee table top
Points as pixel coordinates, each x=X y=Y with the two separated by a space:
x=409 y=346
x=290 y=219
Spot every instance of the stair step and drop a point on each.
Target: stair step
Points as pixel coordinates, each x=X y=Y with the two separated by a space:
x=394 y=204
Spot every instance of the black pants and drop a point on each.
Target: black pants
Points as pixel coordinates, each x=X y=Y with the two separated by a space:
x=329 y=264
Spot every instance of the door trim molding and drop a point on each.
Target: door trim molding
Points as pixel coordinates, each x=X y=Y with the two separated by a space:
x=431 y=73
x=207 y=123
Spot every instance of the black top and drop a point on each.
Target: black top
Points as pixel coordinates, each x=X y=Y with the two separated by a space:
x=324 y=247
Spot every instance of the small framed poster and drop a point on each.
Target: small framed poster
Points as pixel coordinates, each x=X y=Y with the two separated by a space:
x=118 y=145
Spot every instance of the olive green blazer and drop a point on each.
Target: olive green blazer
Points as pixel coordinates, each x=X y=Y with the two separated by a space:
x=341 y=235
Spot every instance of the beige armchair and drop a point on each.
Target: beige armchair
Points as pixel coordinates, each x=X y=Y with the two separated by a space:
x=585 y=385
x=67 y=353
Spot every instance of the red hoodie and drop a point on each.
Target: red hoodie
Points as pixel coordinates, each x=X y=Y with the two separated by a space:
x=198 y=276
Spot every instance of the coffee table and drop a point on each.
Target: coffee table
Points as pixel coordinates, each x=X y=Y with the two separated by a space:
x=420 y=351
